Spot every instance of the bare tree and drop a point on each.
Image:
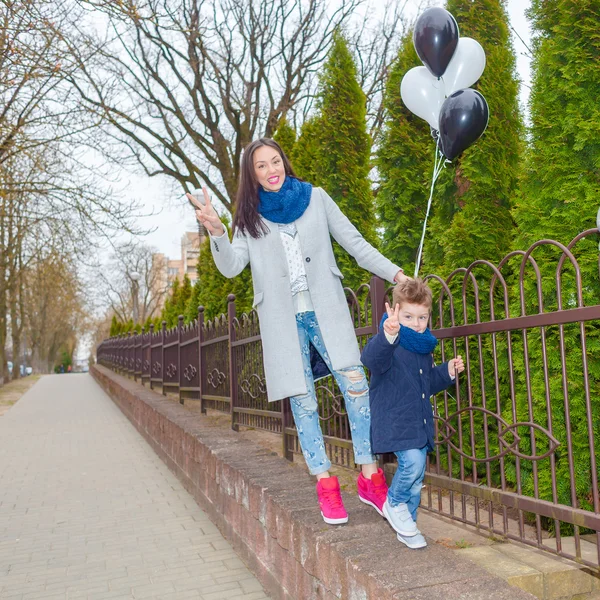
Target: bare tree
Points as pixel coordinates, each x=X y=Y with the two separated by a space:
x=29 y=74
x=186 y=85
x=44 y=137
x=376 y=46
x=117 y=285
x=28 y=77
x=48 y=189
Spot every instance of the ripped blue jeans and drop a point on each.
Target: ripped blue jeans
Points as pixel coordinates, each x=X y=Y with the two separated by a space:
x=353 y=385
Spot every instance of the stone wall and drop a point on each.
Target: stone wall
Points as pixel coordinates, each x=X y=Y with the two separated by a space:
x=267 y=508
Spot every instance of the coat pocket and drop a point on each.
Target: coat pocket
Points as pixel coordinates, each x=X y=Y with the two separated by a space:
x=336 y=271
x=258 y=298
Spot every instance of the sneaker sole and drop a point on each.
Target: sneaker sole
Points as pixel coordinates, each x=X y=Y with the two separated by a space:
x=334 y=521
x=371 y=504
x=404 y=533
x=412 y=547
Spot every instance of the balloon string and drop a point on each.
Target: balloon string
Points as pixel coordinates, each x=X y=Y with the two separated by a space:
x=438 y=165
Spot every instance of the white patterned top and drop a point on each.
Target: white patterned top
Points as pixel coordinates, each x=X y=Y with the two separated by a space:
x=293 y=253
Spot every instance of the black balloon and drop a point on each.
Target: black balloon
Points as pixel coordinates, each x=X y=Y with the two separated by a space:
x=463 y=118
x=435 y=39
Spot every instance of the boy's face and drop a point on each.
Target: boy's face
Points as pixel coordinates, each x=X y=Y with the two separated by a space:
x=415 y=316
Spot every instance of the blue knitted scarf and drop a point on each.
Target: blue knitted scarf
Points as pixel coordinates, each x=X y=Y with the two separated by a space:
x=421 y=343
x=286 y=205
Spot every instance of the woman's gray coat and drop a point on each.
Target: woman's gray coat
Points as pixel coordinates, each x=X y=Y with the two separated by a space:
x=282 y=358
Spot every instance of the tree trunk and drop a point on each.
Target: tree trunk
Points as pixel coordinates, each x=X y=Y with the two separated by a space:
x=15 y=330
x=4 y=377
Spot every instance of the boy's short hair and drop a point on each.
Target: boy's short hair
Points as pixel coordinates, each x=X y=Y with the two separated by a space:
x=412 y=291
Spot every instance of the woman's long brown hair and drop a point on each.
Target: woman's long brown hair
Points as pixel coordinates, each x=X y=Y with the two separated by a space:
x=247 y=217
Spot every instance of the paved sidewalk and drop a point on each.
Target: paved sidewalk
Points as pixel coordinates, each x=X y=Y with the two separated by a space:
x=87 y=509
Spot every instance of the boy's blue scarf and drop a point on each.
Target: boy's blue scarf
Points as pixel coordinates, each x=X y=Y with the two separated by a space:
x=421 y=343
x=286 y=205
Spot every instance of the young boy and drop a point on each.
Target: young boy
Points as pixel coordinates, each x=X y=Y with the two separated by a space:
x=403 y=378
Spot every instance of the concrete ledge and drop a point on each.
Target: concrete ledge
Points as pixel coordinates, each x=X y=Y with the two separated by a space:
x=545 y=576
x=268 y=510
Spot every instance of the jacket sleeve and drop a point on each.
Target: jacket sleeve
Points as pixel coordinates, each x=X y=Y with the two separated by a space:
x=440 y=378
x=347 y=236
x=231 y=257
x=378 y=353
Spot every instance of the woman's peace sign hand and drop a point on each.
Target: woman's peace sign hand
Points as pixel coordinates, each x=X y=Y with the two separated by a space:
x=392 y=324
x=206 y=214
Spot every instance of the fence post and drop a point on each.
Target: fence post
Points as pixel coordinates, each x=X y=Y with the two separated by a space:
x=150 y=357
x=377 y=301
x=135 y=342
x=135 y=352
x=179 y=326
x=200 y=369
x=131 y=353
x=377 y=286
x=142 y=356
x=120 y=354
x=286 y=420
x=232 y=365
x=124 y=354
x=162 y=357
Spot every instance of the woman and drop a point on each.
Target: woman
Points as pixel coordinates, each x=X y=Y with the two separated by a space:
x=282 y=227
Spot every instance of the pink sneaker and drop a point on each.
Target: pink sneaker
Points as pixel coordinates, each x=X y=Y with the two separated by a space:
x=330 y=500
x=373 y=491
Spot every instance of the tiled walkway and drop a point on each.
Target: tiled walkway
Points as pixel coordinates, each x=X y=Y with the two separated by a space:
x=87 y=510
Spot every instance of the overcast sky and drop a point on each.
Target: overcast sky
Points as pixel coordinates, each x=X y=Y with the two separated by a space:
x=176 y=217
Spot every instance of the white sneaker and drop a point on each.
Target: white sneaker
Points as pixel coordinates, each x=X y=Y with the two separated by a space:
x=399 y=518
x=413 y=541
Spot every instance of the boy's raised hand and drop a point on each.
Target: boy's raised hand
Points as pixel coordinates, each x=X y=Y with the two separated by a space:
x=392 y=324
x=456 y=365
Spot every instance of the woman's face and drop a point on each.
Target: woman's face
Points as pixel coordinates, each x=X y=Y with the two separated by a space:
x=268 y=168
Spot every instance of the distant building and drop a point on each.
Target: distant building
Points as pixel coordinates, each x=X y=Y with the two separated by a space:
x=167 y=269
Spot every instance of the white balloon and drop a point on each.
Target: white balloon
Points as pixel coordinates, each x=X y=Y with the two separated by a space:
x=465 y=67
x=423 y=94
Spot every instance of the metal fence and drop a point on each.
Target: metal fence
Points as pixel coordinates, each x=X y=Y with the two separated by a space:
x=517 y=436
x=218 y=364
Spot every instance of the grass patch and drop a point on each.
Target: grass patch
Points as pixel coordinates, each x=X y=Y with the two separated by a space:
x=11 y=392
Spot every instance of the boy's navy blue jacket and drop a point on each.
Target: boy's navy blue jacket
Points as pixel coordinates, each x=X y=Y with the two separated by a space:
x=401 y=384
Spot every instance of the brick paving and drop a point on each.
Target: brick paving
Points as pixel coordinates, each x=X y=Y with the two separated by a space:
x=87 y=509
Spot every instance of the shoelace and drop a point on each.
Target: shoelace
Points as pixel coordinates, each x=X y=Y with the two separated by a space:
x=333 y=497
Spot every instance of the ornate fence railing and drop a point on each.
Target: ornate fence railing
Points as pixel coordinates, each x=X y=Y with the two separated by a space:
x=218 y=364
x=518 y=445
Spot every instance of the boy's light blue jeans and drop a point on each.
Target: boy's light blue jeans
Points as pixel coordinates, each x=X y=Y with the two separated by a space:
x=353 y=385
x=408 y=479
